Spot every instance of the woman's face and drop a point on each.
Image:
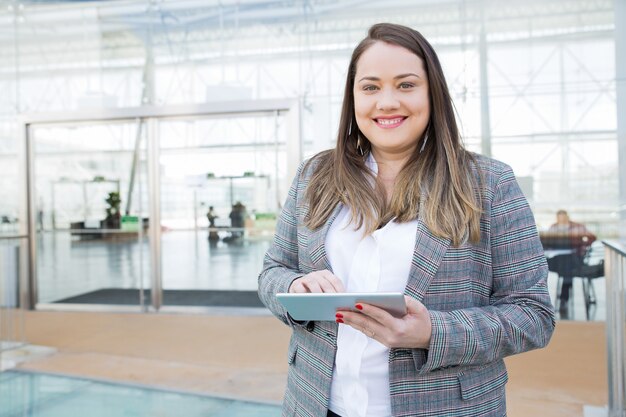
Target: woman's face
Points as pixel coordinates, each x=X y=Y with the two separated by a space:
x=391 y=101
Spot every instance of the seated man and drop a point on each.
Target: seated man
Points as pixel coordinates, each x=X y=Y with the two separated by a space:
x=566 y=234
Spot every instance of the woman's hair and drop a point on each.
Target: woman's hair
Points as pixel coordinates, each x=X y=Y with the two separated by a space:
x=442 y=172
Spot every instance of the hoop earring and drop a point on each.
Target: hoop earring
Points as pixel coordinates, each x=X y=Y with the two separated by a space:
x=358 y=145
x=424 y=143
x=358 y=139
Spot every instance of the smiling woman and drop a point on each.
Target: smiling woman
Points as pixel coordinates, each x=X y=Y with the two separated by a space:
x=400 y=206
x=392 y=107
x=395 y=98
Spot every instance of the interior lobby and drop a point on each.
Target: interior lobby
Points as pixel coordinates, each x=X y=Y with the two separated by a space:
x=147 y=148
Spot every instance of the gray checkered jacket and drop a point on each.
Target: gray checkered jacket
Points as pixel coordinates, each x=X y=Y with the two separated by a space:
x=487 y=301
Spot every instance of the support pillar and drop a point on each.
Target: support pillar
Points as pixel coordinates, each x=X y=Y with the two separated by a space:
x=485 y=120
x=620 y=89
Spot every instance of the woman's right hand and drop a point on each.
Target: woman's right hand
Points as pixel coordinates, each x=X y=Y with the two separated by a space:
x=317 y=281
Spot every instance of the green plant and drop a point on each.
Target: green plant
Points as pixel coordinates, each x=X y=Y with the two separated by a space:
x=112 y=219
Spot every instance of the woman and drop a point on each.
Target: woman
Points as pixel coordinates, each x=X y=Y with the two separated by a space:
x=399 y=205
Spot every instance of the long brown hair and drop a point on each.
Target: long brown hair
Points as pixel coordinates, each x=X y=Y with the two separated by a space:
x=442 y=172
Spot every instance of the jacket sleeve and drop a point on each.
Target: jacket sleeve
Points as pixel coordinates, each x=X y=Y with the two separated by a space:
x=280 y=265
x=520 y=315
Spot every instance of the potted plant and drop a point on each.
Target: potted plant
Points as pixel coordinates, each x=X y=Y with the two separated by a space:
x=112 y=220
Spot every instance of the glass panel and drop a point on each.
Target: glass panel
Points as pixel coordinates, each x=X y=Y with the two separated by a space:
x=91 y=243
x=222 y=183
x=10 y=190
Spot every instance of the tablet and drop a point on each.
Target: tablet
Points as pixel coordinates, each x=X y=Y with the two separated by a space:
x=323 y=306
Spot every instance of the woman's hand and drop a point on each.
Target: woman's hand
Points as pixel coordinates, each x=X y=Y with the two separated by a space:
x=317 y=281
x=413 y=330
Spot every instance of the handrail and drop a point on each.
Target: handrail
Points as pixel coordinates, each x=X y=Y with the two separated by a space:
x=615 y=274
x=11 y=237
x=617 y=246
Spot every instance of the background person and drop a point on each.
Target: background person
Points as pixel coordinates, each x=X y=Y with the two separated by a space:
x=400 y=205
x=579 y=236
x=237 y=217
x=573 y=236
x=211 y=215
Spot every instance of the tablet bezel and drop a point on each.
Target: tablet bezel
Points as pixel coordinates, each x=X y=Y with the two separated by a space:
x=323 y=306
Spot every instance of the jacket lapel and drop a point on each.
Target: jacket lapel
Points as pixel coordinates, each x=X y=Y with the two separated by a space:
x=427 y=255
x=317 y=240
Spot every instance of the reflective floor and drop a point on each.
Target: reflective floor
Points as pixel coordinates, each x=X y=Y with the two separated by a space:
x=69 y=267
x=41 y=395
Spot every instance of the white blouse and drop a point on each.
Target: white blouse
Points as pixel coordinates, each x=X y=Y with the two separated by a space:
x=360 y=384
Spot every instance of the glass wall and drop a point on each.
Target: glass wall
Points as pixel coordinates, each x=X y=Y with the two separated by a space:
x=553 y=118
x=13 y=242
x=10 y=189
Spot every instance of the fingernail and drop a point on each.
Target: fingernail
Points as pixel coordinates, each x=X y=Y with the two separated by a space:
x=359 y=307
x=339 y=321
x=339 y=315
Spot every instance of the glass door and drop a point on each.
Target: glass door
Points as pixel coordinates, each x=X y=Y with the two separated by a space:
x=91 y=213
x=222 y=183
x=149 y=207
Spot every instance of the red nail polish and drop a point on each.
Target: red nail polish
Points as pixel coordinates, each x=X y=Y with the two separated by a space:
x=359 y=307
x=339 y=315
x=339 y=321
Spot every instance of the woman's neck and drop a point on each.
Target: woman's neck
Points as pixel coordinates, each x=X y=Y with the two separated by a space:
x=389 y=166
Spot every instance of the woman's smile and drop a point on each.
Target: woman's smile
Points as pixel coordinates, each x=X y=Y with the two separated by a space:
x=389 y=122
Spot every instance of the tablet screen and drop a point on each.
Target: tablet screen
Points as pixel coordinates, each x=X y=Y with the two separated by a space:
x=323 y=306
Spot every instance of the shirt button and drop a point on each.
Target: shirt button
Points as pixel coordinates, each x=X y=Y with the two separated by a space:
x=310 y=326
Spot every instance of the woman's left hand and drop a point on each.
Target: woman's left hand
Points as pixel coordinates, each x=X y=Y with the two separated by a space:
x=413 y=330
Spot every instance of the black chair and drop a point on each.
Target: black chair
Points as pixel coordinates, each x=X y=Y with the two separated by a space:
x=588 y=272
x=576 y=266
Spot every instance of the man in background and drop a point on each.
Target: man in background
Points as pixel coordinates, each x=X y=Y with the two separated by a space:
x=574 y=236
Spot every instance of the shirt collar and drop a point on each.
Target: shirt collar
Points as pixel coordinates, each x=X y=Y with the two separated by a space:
x=371 y=163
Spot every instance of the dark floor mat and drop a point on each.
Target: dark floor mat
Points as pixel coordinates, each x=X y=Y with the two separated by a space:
x=205 y=298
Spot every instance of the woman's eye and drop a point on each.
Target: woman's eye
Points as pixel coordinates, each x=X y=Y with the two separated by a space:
x=406 y=85
x=370 y=88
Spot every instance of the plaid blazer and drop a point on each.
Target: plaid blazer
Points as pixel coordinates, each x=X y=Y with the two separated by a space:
x=486 y=300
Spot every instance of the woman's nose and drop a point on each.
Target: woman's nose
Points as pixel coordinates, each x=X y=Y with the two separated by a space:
x=387 y=101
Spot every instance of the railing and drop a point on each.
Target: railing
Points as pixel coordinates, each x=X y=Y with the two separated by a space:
x=11 y=315
x=615 y=273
